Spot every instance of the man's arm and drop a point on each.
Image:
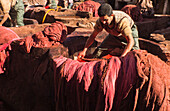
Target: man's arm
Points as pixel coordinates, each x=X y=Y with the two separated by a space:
x=125 y=29
x=129 y=46
x=89 y=42
x=6 y=5
x=6 y=16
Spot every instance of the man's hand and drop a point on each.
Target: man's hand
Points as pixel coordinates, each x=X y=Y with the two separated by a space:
x=82 y=54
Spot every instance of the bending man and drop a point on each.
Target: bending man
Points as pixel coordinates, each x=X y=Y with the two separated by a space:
x=122 y=31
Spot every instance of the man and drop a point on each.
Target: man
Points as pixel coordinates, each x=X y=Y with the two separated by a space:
x=52 y=4
x=121 y=28
x=19 y=7
x=6 y=5
x=70 y=3
x=16 y=10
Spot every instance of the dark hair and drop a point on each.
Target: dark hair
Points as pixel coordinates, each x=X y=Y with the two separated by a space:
x=105 y=9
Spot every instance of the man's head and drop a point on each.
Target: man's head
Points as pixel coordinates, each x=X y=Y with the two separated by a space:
x=105 y=13
x=105 y=9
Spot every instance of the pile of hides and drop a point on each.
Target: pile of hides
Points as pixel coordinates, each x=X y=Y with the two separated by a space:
x=53 y=34
x=139 y=81
x=6 y=37
x=27 y=84
x=133 y=11
x=88 y=6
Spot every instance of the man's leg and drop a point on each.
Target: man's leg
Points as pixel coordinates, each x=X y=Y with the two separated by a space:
x=19 y=7
x=135 y=37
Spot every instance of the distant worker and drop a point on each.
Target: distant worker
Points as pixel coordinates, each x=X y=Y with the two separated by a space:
x=19 y=7
x=122 y=31
x=70 y=3
x=13 y=9
x=52 y=4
